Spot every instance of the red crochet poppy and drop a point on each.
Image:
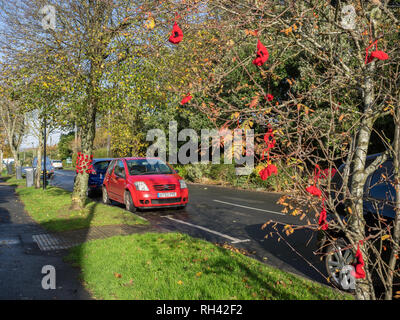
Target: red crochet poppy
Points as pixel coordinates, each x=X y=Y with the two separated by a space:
x=359 y=271
x=177 y=34
x=270 y=97
x=314 y=191
x=379 y=55
x=186 y=99
x=262 y=54
x=375 y=54
x=268 y=171
x=269 y=141
x=322 y=219
x=325 y=173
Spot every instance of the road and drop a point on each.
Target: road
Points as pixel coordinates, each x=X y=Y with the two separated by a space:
x=232 y=216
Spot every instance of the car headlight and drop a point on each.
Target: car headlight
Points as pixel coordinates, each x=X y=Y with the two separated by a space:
x=183 y=184
x=141 y=186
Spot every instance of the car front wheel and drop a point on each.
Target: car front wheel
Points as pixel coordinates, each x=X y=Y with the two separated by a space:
x=338 y=263
x=129 y=202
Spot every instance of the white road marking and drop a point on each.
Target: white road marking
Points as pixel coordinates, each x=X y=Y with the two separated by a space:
x=234 y=240
x=252 y=208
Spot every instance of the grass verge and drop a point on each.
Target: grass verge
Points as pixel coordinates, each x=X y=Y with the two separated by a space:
x=50 y=208
x=175 y=266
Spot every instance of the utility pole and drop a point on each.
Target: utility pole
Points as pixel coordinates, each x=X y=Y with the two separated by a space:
x=44 y=153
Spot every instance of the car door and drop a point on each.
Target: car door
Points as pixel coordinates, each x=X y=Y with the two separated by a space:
x=118 y=181
x=107 y=180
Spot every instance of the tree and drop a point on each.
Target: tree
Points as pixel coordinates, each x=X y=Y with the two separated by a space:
x=336 y=93
x=12 y=118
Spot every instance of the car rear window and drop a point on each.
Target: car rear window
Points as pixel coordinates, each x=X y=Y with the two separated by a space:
x=101 y=165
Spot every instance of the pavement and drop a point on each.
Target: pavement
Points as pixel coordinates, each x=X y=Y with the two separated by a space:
x=26 y=247
x=21 y=261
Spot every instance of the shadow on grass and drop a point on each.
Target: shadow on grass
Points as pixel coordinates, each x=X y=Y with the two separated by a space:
x=70 y=222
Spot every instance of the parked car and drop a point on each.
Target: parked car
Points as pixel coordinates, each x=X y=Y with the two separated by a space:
x=96 y=178
x=144 y=183
x=95 y=182
x=57 y=164
x=49 y=167
x=378 y=203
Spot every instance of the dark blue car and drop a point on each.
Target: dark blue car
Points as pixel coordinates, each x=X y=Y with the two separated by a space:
x=96 y=178
x=378 y=202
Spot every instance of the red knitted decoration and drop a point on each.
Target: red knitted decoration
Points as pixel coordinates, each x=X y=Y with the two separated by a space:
x=314 y=191
x=269 y=97
x=84 y=164
x=322 y=217
x=325 y=174
x=186 y=99
x=262 y=54
x=269 y=141
x=381 y=55
x=359 y=271
x=268 y=171
x=177 y=34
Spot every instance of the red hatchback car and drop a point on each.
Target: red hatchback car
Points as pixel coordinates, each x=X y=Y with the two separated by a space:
x=144 y=183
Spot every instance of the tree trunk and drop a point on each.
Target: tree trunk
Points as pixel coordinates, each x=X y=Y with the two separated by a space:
x=364 y=287
x=39 y=161
x=1 y=161
x=88 y=129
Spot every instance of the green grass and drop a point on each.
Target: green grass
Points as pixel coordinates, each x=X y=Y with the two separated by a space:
x=50 y=208
x=174 y=266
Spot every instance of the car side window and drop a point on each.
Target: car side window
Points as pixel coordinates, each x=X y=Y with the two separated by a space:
x=381 y=187
x=120 y=169
x=110 y=167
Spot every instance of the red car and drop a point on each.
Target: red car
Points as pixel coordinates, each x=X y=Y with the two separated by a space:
x=144 y=183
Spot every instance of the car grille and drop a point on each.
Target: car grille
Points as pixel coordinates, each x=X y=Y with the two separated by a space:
x=164 y=187
x=165 y=201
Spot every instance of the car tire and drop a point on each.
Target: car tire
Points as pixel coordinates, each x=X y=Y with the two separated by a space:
x=335 y=261
x=129 y=205
x=106 y=199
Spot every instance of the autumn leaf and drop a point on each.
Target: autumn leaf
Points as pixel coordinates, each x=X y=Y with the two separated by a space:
x=253 y=102
x=198 y=274
x=180 y=282
x=386 y=236
x=117 y=275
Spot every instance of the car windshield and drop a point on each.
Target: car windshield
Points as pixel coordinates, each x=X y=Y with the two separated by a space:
x=144 y=166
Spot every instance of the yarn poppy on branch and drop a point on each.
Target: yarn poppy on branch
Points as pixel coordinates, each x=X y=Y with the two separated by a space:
x=314 y=190
x=359 y=265
x=269 y=97
x=186 y=99
x=268 y=171
x=262 y=54
x=270 y=142
x=322 y=217
x=177 y=34
x=378 y=54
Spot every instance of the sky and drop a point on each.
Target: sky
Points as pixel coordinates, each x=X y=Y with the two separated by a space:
x=30 y=141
